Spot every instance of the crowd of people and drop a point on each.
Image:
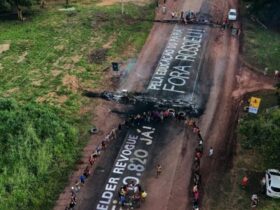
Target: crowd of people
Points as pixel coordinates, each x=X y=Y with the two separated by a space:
x=153 y=116
x=87 y=170
x=126 y=197
x=131 y=195
x=196 y=163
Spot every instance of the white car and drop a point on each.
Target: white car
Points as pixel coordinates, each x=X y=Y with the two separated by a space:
x=232 y=14
x=272 y=179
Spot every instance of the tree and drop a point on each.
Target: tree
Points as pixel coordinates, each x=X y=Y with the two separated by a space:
x=16 y=5
x=267 y=11
x=43 y=3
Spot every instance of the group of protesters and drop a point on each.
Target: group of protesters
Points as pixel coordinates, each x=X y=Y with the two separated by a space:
x=152 y=116
x=131 y=195
x=126 y=195
x=196 y=164
x=86 y=172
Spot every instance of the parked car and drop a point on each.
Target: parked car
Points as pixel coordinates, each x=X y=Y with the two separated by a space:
x=232 y=14
x=272 y=179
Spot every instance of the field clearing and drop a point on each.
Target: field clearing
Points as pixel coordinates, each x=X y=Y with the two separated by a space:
x=45 y=63
x=49 y=56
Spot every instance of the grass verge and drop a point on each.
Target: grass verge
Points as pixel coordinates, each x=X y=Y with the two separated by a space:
x=251 y=163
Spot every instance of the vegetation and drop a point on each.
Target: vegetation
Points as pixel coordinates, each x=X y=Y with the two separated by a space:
x=49 y=57
x=257 y=150
x=36 y=145
x=261 y=46
x=49 y=61
x=10 y=5
x=262 y=134
x=266 y=10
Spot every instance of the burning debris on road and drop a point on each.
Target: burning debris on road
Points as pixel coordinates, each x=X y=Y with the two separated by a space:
x=124 y=97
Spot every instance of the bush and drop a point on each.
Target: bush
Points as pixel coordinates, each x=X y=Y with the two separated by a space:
x=36 y=147
x=262 y=133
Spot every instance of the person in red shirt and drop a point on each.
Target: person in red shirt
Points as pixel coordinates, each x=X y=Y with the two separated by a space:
x=244 y=182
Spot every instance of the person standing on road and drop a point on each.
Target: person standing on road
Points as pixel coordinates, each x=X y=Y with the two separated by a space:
x=159 y=170
x=211 y=152
x=82 y=179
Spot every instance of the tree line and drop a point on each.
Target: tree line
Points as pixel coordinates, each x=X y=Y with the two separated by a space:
x=266 y=10
x=18 y=6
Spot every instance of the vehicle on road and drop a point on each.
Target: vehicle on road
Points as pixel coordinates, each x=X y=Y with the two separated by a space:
x=232 y=14
x=272 y=178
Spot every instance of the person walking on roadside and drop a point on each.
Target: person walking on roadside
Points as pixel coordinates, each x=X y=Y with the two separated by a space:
x=86 y=172
x=211 y=152
x=159 y=170
x=244 y=182
x=91 y=159
x=82 y=179
x=254 y=201
x=114 y=133
x=103 y=145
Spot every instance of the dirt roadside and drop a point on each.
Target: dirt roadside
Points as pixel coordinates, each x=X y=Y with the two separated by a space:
x=231 y=81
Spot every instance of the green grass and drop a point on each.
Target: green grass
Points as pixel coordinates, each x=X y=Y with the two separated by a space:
x=261 y=47
x=232 y=196
x=248 y=162
x=51 y=39
x=57 y=45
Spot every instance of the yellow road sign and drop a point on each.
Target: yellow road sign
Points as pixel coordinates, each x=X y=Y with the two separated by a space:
x=255 y=102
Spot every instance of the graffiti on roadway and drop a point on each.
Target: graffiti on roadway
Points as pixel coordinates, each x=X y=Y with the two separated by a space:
x=129 y=165
x=177 y=71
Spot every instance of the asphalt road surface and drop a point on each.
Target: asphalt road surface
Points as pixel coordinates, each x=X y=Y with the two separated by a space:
x=131 y=158
x=177 y=75
x=178 y=71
